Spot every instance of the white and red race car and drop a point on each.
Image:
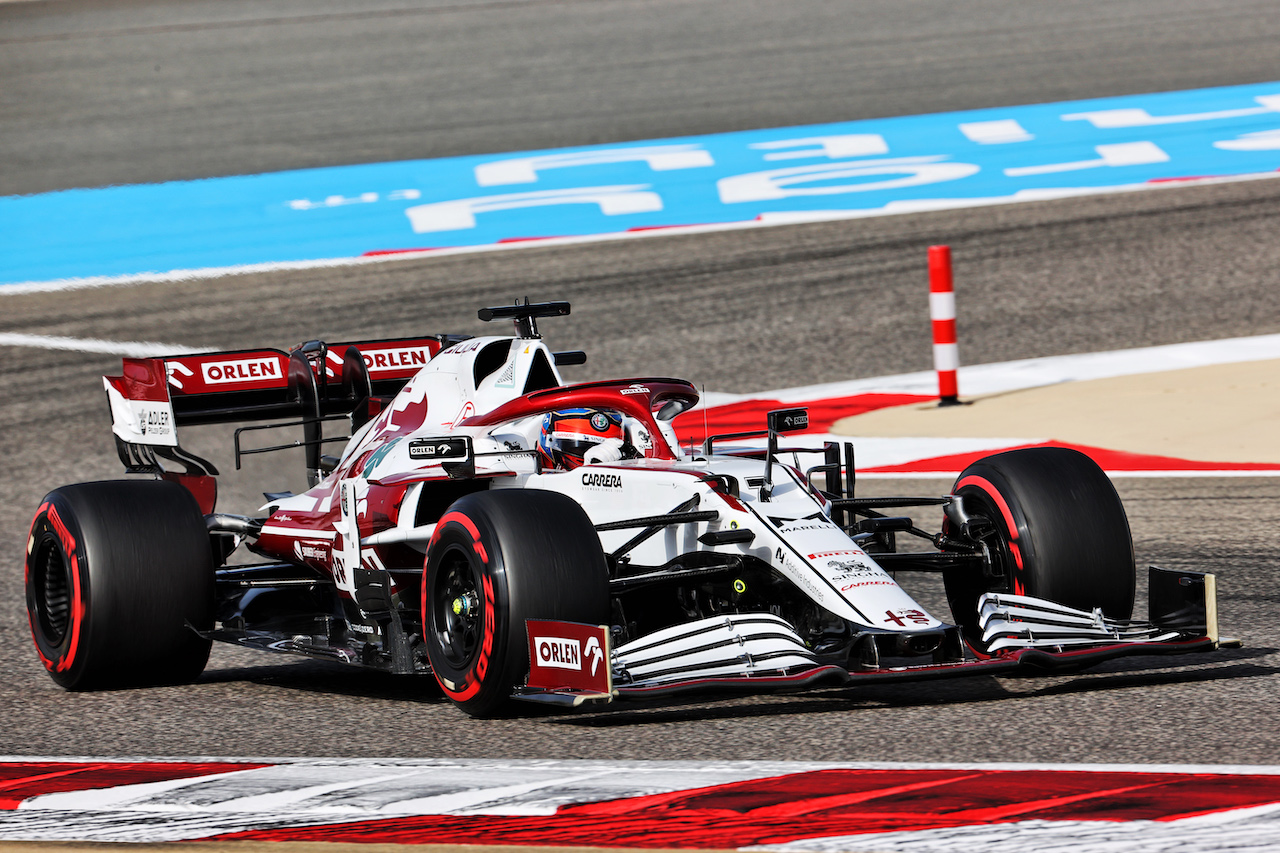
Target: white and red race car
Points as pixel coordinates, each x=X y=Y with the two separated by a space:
x=458 y=534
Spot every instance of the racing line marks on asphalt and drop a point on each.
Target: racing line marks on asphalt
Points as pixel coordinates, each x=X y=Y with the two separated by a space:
x=132 y=349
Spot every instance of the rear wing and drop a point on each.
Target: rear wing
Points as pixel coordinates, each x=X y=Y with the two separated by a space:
x=221 y=387
x=315 y=381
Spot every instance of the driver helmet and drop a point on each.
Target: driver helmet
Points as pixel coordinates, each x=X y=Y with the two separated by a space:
x=567 y=435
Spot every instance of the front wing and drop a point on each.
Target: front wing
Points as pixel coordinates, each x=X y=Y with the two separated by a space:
x=759 y=653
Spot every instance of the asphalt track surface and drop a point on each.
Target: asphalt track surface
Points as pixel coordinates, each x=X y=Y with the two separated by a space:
x=110 y=92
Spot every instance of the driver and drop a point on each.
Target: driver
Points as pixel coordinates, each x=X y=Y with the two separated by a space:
x=573 y=437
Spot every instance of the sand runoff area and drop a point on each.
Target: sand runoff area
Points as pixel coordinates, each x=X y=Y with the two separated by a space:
x=1218 y=412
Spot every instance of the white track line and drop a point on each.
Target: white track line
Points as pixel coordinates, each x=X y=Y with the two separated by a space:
x=136 y=349
x=996 y=378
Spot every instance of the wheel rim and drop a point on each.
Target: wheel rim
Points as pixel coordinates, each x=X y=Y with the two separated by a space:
x=52 y=580
x=997 y=546
x=458 y=609
x=964 y=594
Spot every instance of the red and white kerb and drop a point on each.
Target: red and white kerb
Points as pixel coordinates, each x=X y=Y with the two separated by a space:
x=942 y=311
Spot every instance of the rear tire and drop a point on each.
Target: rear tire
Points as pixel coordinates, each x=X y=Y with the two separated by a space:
x=1061 y=534
x=498 y=558
x=116 y=573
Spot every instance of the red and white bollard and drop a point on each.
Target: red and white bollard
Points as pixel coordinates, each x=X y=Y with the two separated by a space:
x=942 y=311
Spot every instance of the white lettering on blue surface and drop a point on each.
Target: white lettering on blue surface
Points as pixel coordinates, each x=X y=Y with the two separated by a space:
x=938 y=162
x=1262 y=140
x=363 y=198
x=460 y=214
x=1121 y=154
x=831 y=147
x=998 y=132
x=1138 y=117
x=805 y=180
x=660 y=158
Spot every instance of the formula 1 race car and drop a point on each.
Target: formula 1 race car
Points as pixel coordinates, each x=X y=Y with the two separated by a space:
x=518 y=537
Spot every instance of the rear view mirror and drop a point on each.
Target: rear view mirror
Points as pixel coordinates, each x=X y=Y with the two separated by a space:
x=788 y=420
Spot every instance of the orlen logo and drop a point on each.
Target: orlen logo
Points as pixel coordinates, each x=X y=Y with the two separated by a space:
x=396 y=359
x=241 y=370
x=634 y=389
x=565 y=653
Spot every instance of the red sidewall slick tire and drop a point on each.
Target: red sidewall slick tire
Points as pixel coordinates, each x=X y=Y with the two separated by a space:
x=116 y=573
x=1062 y=533
x=497 y=559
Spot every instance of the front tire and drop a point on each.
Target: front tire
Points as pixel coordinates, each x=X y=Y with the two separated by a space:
x=1060 y=533
x=498 y=558
x=117 y=574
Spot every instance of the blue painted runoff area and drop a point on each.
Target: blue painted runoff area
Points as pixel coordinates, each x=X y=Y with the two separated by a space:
x=816 y=172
